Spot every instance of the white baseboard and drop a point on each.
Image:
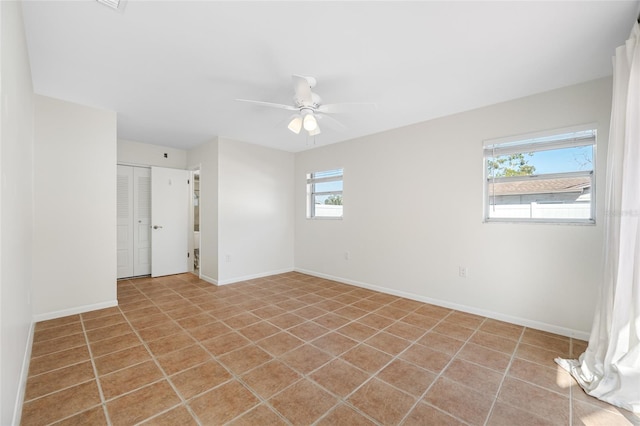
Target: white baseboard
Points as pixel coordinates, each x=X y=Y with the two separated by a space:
x=551 y=328
x=254 y=276
x=24 y=374
x=74 y=311
x=208 y=279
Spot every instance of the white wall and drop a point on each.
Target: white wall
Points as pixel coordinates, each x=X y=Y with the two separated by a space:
x=16 y=206
x=205 y=158
x=144 y=154
x=540 y=275
x=75 y=208
x=256 y=227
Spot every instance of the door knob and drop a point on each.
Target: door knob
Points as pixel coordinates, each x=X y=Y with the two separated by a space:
x=157 y=227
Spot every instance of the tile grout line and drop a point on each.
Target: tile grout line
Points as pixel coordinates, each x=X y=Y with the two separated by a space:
x=233 y=375
x=466 y=342
x=157 y=363
x=343 y=400
x=307 y=375
x=135 y=364
x=238 y=377
x=572 y=355
x=504 y=376
x=74 y=384
x=441 y=373
x=215 y=358
x=56 y=369
x=303 y=376
x=95 y=372
x=292 y=290
x=152 y=355
x=538 y=364
x=393 y=358
x=184 y=402
x=61 y=368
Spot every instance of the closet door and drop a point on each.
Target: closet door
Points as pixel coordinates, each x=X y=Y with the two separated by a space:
x=134 y=221
x=124 y=231
x=141 y=221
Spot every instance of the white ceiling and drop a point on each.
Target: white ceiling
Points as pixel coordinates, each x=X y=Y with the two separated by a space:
x=172 y=69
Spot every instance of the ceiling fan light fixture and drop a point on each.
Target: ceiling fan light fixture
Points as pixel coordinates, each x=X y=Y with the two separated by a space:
x=295 y=125
x=315 y=131
x=310 y=123
x=307 y=106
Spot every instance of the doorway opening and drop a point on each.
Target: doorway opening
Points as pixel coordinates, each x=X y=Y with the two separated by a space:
x=196 y=222
x=153 y=223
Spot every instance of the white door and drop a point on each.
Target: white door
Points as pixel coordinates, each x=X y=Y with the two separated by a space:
x=134 y=216
x=170 y=199
x=141 y=221
x=125 y=222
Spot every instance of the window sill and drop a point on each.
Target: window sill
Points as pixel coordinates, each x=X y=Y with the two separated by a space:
x=578 y=222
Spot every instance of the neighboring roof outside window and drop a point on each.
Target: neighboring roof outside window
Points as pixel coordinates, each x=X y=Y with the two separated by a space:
x=556 y=185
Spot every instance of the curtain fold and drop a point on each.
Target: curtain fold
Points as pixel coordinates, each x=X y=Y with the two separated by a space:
x=610 y=367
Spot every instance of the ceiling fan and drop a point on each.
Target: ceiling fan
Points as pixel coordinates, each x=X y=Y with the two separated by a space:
x=309 y=107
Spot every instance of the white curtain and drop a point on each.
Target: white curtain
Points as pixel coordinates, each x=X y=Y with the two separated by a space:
x=610 y=367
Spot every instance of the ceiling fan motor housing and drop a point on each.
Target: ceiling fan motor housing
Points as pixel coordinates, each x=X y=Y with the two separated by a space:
x=300 y=103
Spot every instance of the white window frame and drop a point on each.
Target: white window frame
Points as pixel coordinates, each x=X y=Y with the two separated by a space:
x=311 y=192
x=583 y=135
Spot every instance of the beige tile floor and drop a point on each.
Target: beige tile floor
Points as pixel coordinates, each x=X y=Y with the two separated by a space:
x=296 y=349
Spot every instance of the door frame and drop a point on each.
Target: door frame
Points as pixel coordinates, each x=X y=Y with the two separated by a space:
x=193 y=169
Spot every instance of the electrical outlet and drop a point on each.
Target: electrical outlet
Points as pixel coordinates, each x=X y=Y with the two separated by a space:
x=462 y=271
x=346 y=255
x=227 y=258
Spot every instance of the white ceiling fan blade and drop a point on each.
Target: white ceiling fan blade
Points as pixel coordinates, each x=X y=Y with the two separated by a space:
x=302 y=89
x=347 y=107
x=269 y=104
x=331 y=122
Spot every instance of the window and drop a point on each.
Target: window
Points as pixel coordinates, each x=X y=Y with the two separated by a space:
x=545 y=178
x=324 y=194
